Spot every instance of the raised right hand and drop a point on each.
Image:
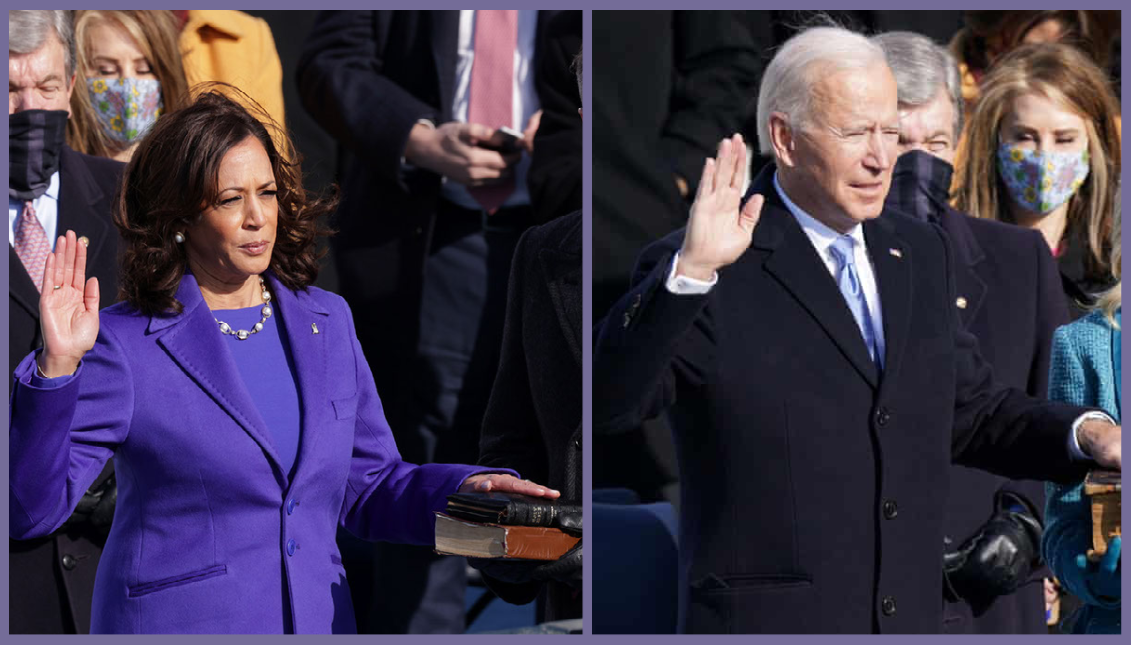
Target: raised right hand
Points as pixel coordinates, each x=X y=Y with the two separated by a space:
x=68 y=308
x=717 y=232
x=454 y=151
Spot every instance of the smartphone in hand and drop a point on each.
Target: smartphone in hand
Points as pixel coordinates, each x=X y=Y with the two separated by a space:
x=505 y=140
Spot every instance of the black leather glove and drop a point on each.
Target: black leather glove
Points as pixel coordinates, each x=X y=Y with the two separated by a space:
x=566 y=569
x=999 y=558
x=513 y=572
x=521 y=580
x=95 y=510
x=571 y=521
x=102 y=515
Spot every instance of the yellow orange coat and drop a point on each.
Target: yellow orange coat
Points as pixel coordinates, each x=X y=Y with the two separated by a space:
x=233 y=47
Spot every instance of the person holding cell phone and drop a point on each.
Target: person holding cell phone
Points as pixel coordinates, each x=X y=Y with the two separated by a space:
x=435 y=197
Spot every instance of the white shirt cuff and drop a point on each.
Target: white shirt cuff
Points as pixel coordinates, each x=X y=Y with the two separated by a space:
x=405 y=165
x=682 y=285
x=1074 y=448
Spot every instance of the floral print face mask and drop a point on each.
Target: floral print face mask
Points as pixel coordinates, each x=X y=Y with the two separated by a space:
x=126 y=107
x=1041 y=181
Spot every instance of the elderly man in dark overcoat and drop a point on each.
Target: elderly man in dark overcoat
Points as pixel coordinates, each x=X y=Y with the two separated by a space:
x=818 y=377
x=1010 y=298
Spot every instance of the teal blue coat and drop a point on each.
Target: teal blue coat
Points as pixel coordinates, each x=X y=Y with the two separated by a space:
x=1085 y=371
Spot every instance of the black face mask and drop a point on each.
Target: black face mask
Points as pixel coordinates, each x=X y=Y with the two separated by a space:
x=920 y=185
x=35 y=142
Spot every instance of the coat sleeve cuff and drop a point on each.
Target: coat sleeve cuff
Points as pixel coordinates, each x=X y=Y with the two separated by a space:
x=1074 y=448
x=27 y=374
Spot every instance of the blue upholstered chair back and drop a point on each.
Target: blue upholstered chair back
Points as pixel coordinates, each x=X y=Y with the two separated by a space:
x=634 y=565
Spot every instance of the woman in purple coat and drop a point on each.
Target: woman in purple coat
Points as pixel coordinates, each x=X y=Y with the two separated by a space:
x=234 y=398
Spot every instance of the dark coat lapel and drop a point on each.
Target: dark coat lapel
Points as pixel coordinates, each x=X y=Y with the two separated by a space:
x=79 y=196
x=920 y=185
x=794 y=263
x=194 y=342
x=892 y=261
x=20 y=287
x=541 y=41
x=968 y=258
x=301 y=316
x=562 y=271
x=445 y=42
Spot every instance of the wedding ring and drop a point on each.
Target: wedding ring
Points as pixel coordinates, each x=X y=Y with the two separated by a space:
x=57 y=287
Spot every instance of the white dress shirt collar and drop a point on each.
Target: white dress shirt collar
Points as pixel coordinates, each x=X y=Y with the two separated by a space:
x=818 y=233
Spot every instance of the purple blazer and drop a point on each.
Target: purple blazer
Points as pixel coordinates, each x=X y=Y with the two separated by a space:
x=210 y=534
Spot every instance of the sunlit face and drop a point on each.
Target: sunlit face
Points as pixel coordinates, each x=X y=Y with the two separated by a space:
x=841 y=161
x=929 y=127
x=1034 y=122
x=39 y=81
x=113 y=53
x=233 y=239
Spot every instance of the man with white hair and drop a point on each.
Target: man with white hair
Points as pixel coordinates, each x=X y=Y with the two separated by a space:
x=53 y=189
x=1010 y=298
x=816 y=371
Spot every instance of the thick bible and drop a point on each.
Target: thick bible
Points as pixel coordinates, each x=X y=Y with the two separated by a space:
x=1104 y=489
x=456 y=536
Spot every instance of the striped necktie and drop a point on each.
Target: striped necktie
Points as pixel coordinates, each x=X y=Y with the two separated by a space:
x=32 y=245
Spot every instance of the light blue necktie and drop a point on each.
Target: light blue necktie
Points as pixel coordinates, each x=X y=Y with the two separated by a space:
x=849 y=282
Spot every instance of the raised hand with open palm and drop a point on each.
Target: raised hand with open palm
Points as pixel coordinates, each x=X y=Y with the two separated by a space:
x=68 y=308
x=718 y=231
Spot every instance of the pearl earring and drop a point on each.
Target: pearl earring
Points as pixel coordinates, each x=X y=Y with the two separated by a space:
x=179 y=237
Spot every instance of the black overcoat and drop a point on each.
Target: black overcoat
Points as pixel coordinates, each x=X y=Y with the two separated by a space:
x=1011 y=300
x=533 y=420
x=811 y=483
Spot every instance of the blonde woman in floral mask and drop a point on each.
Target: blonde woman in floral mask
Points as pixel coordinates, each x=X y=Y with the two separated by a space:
x=1043 y=151
x=133 y=73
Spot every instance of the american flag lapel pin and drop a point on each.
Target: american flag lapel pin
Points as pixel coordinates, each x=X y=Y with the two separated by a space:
x=896 y=252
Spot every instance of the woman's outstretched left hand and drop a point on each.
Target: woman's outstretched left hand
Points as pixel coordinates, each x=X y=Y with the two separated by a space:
x=501 y=483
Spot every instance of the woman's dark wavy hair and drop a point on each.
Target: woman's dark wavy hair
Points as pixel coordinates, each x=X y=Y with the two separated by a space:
x=172 y=178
